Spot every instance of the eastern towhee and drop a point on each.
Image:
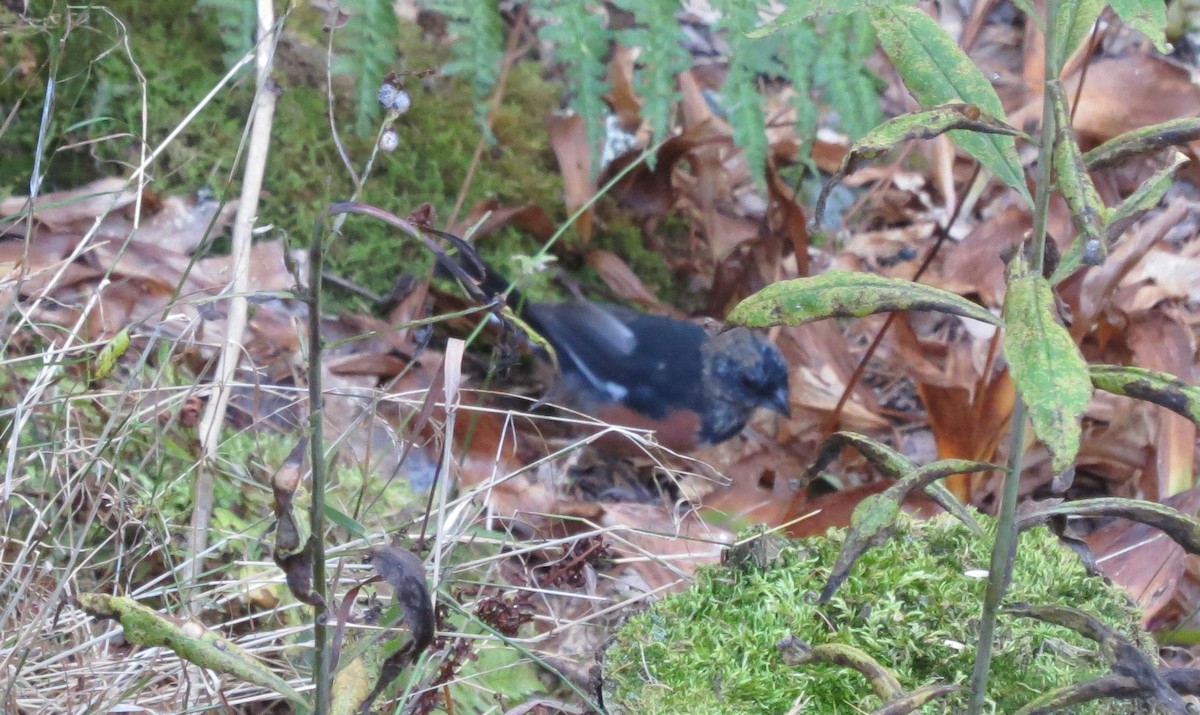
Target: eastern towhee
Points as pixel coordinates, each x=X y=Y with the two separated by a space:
x=650 y=371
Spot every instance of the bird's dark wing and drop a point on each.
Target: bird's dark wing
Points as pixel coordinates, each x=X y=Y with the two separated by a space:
x=649 y=363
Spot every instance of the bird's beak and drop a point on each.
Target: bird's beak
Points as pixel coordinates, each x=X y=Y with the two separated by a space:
x=780 y=402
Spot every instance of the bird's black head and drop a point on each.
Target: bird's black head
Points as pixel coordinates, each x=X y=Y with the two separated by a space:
x=742 y=372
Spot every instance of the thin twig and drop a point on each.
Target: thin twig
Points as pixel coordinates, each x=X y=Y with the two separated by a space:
x=261 y=120
x=831 y=424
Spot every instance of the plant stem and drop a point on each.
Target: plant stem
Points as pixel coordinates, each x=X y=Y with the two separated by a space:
x=262 y=120
x=316 y=415
x=1005 y=546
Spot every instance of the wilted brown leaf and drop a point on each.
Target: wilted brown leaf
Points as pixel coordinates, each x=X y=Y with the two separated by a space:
x=617 y=274
x=529 y=218
x=1144 y=561
x=1160 y=341
x=65 y=210
x=568 y=137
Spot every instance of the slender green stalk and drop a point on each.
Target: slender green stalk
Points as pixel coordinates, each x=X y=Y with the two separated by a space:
x=1005 y=548
x=322 y=678
x=1003 y=552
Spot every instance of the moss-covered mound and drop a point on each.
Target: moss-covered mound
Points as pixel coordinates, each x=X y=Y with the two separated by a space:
x=912 y=604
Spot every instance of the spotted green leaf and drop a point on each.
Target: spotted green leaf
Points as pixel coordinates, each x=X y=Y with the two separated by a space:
x=1046 y=366
x=1144 y=198
x=1075 y=21
x=846 y=294
x=1175 y=132
x=937 y=71
x=1075 y=184
x=190 y=641
x=1158 y=387
x=107 y=358
x=925 y=124
x=1146 y=16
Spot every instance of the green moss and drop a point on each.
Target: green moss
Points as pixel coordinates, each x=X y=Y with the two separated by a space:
x=96 y=130
x=908 y=604
x=177 y=47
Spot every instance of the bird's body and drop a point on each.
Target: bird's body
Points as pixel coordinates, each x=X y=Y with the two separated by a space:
x=655 y=372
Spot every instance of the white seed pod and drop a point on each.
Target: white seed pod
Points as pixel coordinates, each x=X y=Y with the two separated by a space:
x=386 y=94
x=401 y=101
x=389 y=141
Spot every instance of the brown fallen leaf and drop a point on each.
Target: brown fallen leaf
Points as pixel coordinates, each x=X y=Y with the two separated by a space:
x=530 y=218
x=1143 y=560
x=568 y=137
x=1161 y=341
x=266 y=267
x=617 y=274
x=64 y=209
x=660 y=550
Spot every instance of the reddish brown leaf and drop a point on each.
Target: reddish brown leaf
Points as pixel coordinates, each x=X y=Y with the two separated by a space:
x=1161 y=342
x=529 y=218
x=617 y=274
x=568 y=137
x=794 y=223
x=1143 y=560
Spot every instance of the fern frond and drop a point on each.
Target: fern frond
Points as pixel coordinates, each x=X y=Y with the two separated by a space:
x=236 y=21
x=805 y=45
x=747 y=60
x=846 y=83
x=478 y=51
x=581 y=41
x=662 y=58
x=369 y=48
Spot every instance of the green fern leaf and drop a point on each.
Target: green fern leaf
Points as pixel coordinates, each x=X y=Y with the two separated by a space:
x=748 y=58
x=846 y=85
x=236 y=21
x=662 y=58
x=581 y=40
x=478 y=49
x=805 y=45
x=369 y=43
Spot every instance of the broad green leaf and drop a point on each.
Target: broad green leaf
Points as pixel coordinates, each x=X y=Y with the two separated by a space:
x=800 y=10
x=1075 y=184
x=1075 y=21
x=937 y=71
x=1146 y=16
x=846 y=294
x=1144 y=198
x=1161 y=388
x=1046 y=366
x=1146 y=139
x=925 y=124
x=190 y=641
